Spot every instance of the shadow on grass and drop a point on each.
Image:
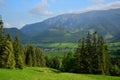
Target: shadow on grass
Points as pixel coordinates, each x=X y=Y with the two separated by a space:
x=55 y=71
x=38 y=71
x=49 y=71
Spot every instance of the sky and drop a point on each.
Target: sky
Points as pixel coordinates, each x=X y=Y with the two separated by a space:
x=17 y=13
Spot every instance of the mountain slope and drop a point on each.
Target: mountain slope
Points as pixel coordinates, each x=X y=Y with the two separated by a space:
x=14 y=31
x=67 y=27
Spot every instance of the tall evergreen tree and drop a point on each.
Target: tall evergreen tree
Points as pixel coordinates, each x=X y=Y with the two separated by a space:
x=67 y=62
x=10 y=56
x=95 y=62
x=1 y=31
x=92 y=56
x=30 y=58
x=40 y=60
x=18 y=52
x=103 y=56
x=2 y=38
x=77 y=57
x=6 y=50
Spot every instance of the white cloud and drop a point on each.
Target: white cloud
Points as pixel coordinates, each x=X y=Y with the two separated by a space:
x=41 y=9
x=17 y=25
x=20 y=24
x=7 y=25
x=112 y=5
x=97 y=0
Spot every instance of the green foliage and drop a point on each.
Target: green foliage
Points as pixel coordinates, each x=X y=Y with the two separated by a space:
x=115 y=70
x=1 y=31
x=10 y=59
x=7 y=56
x=6 y=50
x=34 y=56
x=67 y=62
x=30 y=58
x=40 y=60
x=53 y=62
x=18 y=52
x=91 y=56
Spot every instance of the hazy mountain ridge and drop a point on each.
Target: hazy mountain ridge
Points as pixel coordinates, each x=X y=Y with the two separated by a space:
x=71 y=27
x=14 y=31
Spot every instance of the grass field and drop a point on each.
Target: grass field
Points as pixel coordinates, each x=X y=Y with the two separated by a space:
x=57 y=45
x=115 y=45
x=35 y=73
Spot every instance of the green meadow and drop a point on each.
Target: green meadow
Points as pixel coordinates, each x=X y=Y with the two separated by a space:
x=36 y=73
x=114 y=46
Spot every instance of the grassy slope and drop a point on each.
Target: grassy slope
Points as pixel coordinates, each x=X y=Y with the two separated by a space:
x=31 y=73
x=57 y=45
x=111 y=46
x=72 y=45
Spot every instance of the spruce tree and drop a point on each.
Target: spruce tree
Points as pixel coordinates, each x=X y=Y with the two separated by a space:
x=67 y=62
x=10 y=63
x=2 y=38
x=95 y=62
x=1 y=31
x=7 y=56
x=77 y=57
x=92 y=56
x=18 y=52
x=6 y=50
x=30 y=58
x=40 y=60
x=104 y=57
x=88 y=52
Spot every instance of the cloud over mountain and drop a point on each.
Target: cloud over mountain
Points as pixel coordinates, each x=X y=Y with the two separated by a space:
x=41 y=9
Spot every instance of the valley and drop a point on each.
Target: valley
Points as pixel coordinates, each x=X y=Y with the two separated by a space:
x=60 y=40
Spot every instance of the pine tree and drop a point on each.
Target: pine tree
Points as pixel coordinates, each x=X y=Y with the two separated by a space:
x=67 y=62
x=18 y=52
x=1 y=31
x=92 y=56
x=40 y=60
x=11 y=60
x=30 y=58
x=6 y=50
x=9 y=37
x=2 y=38
x=77 y=57
x=55 y=62
x=88 y=52
x=104 y=57
x=38 y=56
x=7 y=56
x=10 y=57
x=95 y=56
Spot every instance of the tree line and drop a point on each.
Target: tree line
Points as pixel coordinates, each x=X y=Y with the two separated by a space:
x=90 y=57
x=14 y=55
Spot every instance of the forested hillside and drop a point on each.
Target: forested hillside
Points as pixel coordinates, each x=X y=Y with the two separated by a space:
x=71 y=27
x=90 y=57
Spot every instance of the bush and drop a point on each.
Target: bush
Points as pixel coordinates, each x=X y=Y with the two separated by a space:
x=115 y=70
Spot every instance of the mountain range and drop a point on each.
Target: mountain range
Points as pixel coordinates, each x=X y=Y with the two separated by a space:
x=71 y=27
